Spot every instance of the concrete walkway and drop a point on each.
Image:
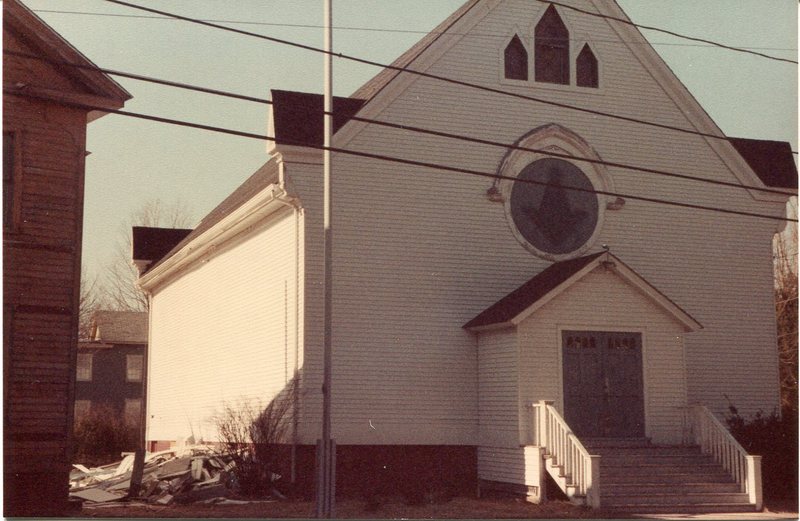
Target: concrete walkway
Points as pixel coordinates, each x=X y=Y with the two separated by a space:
x=742 y=516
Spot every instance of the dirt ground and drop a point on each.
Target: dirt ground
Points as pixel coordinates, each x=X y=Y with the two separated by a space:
x=457 y=508
x=395 y=508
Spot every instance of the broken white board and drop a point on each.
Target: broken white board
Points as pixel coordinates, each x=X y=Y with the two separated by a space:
x=97 y=495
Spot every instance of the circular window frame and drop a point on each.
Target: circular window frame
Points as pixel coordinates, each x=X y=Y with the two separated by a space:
x=558 y=140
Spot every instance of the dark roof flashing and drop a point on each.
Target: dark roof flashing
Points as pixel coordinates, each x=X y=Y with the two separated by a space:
x=150 y=244
x=297 y=117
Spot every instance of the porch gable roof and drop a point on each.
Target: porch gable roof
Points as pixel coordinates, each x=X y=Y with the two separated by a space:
x=525 y=300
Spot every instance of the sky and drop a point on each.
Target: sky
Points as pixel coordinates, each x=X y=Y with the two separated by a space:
x=134 y=162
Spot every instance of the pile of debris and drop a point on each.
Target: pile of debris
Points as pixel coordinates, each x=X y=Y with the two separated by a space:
x=195 y=473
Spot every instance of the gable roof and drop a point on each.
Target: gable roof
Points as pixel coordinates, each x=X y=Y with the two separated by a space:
x=772 y=161
x=46 y=42
x=298 y=116
x=261 y=178
x=520 y=303
x=531 y=292
x=120 y=327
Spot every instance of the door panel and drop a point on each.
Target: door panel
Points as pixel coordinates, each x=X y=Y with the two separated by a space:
x=603 y=383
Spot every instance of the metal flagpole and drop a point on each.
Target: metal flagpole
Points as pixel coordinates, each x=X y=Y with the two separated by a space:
x=325 y=453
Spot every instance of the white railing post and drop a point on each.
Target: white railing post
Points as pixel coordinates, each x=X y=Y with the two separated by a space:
x=754 y=481
x=543 y=428
x=593 y=482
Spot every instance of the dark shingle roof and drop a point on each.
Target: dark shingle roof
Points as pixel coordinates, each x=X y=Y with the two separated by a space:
x=297 y=116
x=529 y=293
x=261 y=178
x=120 y=327
x=772 y=161
x=151 y=244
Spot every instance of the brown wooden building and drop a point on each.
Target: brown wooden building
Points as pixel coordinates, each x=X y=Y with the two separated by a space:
x=44 y=150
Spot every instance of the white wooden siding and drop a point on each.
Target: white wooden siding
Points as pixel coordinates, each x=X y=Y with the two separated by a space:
x=519 y=465
x=224 y=332
x=498 y=389
x=603 y=301
x=418 y=252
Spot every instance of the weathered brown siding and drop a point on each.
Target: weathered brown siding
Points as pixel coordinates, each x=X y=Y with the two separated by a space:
x=41 y=262
x=41 y=286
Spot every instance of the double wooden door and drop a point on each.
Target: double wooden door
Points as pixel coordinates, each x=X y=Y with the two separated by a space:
x=603 y=384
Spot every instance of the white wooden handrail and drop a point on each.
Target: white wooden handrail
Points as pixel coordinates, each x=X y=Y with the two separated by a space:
x=715 y=440
x=567 y=451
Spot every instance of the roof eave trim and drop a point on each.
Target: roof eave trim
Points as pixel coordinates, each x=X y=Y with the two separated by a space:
x=558 y=290
x=255 y=210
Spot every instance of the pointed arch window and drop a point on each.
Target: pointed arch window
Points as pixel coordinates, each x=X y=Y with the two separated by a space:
x=552 y=49
x=516 y=60
x=586 y=68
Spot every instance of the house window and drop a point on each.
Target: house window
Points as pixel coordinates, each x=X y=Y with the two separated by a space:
x=516 y=60
x=552 y=49
x=133 y=411
x=134 y=365
x=586 y=68
x=84 y=367
x=8 y=180
x=82 y=408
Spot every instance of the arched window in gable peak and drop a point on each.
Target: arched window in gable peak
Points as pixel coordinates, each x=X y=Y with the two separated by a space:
x=516 y=60
x=552 y=49
x=586 y=68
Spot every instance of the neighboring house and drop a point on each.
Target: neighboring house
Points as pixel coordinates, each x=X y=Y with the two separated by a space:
x=110 y=368
x=474 y=319
x=44 y=151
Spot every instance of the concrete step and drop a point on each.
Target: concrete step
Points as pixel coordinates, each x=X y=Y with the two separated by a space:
x=731 y=498
x=700 y=508
x=615 y=442
x=692 y=476
x=630 y=460
x=610 y=468
x=653 y=487
x=648 y=451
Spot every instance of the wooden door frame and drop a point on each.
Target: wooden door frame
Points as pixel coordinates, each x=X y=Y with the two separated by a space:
x=604 y=329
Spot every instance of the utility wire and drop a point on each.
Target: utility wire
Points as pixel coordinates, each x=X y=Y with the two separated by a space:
x=395 y=31
x=411 y=162
x=410 y=128
x=445 y=79
x=665 y=31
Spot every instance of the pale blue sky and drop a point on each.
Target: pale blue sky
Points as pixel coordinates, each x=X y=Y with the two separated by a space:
x=133 y=161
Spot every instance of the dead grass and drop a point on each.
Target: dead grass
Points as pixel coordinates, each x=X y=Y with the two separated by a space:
x=457 y=508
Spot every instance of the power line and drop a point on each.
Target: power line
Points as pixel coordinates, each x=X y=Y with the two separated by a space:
x=665 y=31
x=394 y=31
x=411 y=162
x=423 y=74
x=411 y=128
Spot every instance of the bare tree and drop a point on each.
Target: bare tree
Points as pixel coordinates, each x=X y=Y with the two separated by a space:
x=90 y=301
x=120 y=282
x=786 y=293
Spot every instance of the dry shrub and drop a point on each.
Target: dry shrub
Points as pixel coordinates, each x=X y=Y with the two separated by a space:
x=101 y=436
x=251 y=435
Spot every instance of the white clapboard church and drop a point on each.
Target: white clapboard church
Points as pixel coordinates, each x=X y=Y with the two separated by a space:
x=542 y=326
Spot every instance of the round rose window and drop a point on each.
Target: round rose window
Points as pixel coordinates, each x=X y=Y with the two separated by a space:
x=552 y=218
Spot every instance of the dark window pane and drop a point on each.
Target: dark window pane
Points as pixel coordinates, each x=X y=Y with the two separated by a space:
x=516 y=60
x=552 y=49
x=586 y=66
